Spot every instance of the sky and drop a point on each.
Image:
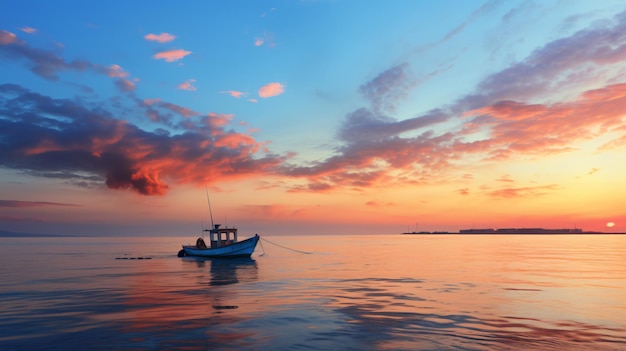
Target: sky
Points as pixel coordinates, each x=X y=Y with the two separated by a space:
x=311 y=117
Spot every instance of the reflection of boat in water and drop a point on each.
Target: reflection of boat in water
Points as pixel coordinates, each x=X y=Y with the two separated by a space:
x=225 y=272
x=233 y=271
x=222 y=243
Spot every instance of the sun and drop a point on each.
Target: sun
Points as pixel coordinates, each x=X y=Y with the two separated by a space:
x=610 y=224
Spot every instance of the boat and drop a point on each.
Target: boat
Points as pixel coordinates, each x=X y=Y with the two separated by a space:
x=222 y=243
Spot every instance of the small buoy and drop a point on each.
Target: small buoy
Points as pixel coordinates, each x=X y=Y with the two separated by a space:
x=182 y=253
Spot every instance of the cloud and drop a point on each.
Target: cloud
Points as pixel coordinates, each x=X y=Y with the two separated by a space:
x=115 y=71
x=592 y=171
x=516 y=113
x=7 y=37
x=171 y=55
x=161 y=38
x=188 y=85
x=125 y=85
x=567 y=63
x=364 y=125
x=266 y=39
x=48 y=64
x=234 y=93
x=463 y=191
x=523 y=191
x=29 y=30
x=506 y=179
x=271 y=89
x=62 y=138
x=22 y=204
x=388 y=88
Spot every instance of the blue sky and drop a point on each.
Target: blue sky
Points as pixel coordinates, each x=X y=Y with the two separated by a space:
x=312 y=108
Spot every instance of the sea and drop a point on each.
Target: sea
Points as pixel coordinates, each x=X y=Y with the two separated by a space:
x=324 y=292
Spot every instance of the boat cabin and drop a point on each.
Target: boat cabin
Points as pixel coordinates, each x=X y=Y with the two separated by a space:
x=219 y=237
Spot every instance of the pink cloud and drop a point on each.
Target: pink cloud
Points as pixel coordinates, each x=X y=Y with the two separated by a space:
x=271 y=89
x=125 y=85
x=115 y=71
x=28 y=30
x=149 y=102
x=172 y=55
x=218 y=119
x=187 y=85
x=234 y=93
x=7 y=37
x=181 y=110
x=161 y=38
x=267 y=39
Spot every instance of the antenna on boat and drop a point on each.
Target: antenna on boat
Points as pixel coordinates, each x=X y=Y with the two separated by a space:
x=209 y=202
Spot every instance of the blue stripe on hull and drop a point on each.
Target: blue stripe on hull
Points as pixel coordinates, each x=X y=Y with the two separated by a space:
x=241 y=249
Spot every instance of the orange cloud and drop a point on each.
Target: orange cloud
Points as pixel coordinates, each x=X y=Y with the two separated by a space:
x=524 y=191
x=464 y=191
x=271 y=89
x=172 y=55
x=161 y=38
x=235 y=140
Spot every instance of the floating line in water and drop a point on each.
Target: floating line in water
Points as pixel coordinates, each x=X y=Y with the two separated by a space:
x=285 y=247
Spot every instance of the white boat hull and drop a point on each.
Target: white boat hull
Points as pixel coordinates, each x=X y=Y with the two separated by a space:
x=243 y=248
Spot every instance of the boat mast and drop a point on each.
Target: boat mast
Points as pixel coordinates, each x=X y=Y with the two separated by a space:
x=209 y=202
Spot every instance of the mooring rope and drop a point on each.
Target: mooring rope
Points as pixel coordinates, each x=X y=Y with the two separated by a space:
x=285 y=247
x=261 y=242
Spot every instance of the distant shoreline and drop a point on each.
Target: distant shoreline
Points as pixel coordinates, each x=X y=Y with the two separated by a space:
x=523 y=231
x=457 y=233
x=4 y=234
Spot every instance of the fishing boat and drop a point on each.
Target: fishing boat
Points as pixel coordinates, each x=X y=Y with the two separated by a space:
x=222 y=243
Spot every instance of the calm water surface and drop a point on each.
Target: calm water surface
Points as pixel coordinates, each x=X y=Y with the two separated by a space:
x=386 y=292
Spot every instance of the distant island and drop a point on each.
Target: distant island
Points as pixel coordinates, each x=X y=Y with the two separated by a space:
x=515 y=231
x=526 y=231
